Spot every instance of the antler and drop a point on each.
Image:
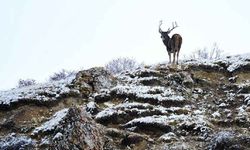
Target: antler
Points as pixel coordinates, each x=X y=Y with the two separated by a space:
x=160 y=23
x=174 y=25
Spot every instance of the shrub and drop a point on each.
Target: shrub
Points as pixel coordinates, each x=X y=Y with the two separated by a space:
x=26 y=82
x=119 y=65
x=63 y=74
x=214 y=53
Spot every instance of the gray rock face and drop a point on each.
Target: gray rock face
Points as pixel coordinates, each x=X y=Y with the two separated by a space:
x=77 y=132
x=196 y=105
x=94 y=79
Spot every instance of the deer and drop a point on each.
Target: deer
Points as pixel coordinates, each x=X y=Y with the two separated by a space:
x=173 y=44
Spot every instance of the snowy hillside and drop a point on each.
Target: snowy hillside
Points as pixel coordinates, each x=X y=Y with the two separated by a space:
x=198 y=104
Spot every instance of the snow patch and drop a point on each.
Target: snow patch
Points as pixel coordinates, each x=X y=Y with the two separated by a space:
x=149 y=120
x=53 y=122
x=106 y=113
x=168 y=137
x=148 y=92
x=58 y=136
x=216 y=114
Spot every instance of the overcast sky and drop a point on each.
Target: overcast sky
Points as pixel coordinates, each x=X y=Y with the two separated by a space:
x=40 y=37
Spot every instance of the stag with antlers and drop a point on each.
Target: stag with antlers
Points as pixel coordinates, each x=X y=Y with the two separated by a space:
x=172 y=44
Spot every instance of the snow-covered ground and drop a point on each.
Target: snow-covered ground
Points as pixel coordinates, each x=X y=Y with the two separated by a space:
x=232 y=63
x=39 y=92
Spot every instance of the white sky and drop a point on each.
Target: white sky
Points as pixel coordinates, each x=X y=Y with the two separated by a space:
x=40 y=37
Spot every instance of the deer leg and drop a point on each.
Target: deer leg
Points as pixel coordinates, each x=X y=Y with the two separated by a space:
x=177 y=57
x=169 y=55
x=174 y=57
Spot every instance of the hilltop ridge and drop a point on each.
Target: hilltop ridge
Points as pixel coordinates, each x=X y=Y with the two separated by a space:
x=198 y=104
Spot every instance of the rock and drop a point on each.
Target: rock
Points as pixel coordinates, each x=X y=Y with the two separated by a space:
x=131 y=139
x=168 y=137
x=127 y=139
x=50 y=125
x=8 y=124
x=14 y=141
x=92 y=80
x=151 y=123
x=176 y=146
x=225 y=140
x=223 y=105
x=92 y=108
x=216 y=114
x=247 y=100
x=147 y=73
x=232 y=79
x=102 y=96
x=188 y=81
x=175 y=77
x=77 y=132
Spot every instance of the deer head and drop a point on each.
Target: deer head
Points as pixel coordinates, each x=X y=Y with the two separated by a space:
x=164 y=34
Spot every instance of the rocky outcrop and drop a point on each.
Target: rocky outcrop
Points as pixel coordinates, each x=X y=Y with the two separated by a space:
x=39 y=94
x=92 y=80
x=195 y=105
x=74 y=131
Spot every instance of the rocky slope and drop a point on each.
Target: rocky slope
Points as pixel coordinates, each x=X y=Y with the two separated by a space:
x=195 y=105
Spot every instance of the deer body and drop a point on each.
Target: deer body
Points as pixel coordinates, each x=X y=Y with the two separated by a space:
x=172 y=44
